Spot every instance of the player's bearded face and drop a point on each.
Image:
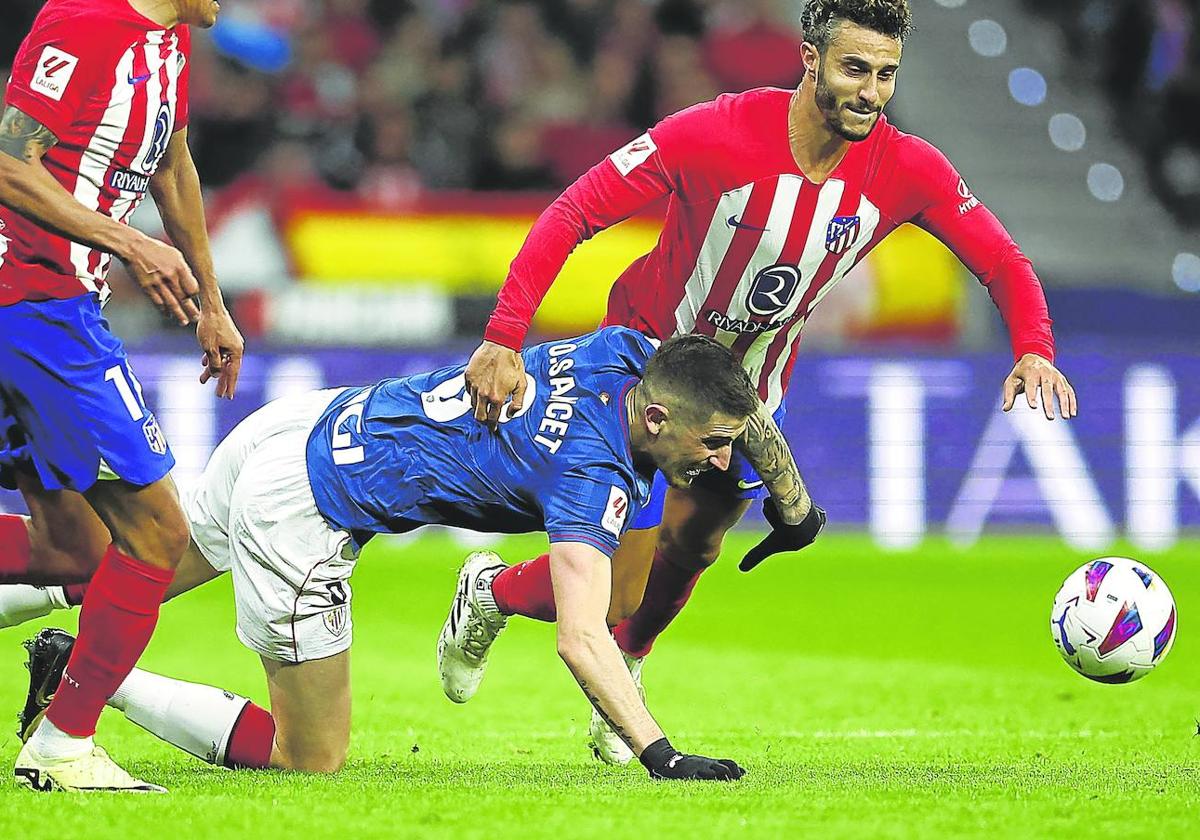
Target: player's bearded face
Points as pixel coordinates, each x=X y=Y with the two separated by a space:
x=855 y=79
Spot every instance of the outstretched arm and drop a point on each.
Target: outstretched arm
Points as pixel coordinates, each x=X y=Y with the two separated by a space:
x=176 y=190
x=582 y=578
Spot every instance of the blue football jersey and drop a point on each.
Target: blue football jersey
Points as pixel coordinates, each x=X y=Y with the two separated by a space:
x=408 y=452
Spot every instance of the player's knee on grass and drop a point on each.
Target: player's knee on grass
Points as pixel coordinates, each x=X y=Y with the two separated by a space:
x=310 y=702
x=306 y=755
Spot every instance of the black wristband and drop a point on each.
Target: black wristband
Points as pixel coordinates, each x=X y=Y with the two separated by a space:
x=657 y=755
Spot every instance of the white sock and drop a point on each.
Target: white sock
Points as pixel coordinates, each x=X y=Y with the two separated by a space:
x=20 y=603
x=50 y=742
x=196 y=718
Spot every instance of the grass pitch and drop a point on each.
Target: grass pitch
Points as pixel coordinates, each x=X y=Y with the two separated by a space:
x=870 y=695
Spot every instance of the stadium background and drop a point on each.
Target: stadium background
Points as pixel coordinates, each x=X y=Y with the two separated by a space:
x=370 y=168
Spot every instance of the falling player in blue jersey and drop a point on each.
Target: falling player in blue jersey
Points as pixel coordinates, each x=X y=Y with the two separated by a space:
x=292 y=494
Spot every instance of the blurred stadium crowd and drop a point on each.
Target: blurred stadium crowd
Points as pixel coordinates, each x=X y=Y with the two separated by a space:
x=1145 y=54
x=389 y=97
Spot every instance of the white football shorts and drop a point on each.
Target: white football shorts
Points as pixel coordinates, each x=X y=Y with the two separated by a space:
x=252 y=513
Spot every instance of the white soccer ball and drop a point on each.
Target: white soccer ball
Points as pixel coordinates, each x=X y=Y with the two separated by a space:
x=1113 y=620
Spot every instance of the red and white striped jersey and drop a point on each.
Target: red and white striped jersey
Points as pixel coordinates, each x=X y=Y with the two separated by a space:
x=749 y=245
x=112 y=86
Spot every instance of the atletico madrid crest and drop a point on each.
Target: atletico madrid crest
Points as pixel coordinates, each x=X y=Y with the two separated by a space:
x=841 y=234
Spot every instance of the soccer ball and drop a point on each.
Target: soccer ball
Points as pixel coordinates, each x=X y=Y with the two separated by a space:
x=1113 y=620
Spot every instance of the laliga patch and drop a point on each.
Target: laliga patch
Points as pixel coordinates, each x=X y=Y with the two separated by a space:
x=616 y=511
x=53 y=73
x=634 y=155
x=155 y=439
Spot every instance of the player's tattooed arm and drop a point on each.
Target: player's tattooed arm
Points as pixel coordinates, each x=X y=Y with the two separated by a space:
x=582 y=579
x=769 y=454
x=22 y=137
x=598 y=705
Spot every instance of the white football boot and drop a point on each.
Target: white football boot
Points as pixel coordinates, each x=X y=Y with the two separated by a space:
x=92 y=772
x=473 y=624
x=606 y=745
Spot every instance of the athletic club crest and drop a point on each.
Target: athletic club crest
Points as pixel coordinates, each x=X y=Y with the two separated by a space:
x=154 y=436
x=842 y=233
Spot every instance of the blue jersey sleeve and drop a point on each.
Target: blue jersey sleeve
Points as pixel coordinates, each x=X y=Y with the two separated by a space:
x=592 y=507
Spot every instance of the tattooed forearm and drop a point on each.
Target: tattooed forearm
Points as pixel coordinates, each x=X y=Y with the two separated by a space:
x=768 y=453
x=595 y=701
x=23 y=137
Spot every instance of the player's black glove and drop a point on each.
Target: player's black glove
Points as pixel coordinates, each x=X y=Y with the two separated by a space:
x=784 y=537
x=665 y=762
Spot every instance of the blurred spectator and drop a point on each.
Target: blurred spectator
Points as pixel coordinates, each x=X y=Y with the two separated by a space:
x=391 y=97
x=513 y=160
x=748 y=47
x=1145 y=55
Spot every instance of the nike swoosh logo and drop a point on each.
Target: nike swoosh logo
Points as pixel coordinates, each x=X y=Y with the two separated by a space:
x=748 y=485
x=137 y=80
x=733 y=222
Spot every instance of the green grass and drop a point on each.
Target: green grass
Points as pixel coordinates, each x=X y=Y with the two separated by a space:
x=870 y=695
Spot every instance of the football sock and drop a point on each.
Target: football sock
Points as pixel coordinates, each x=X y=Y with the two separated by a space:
x=14 y=548
x=50 y=742
x=667 y=590
x=526 y=589
x=252 y=738
x=205 y=721
x=118 y=616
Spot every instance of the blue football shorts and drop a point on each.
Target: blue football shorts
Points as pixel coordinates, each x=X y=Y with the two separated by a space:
x=69 y=397
x=740 y=481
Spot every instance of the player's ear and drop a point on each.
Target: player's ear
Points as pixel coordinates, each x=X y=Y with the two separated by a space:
x=655 y=416
x=812 y=59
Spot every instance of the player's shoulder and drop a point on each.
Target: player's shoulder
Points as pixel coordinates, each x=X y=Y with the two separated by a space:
x=909 y=152
x=85 y=29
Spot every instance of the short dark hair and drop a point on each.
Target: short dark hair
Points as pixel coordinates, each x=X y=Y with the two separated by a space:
x=703 y=374
x=887 y=17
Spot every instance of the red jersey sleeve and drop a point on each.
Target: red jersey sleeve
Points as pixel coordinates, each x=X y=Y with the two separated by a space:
x=55 y=71
x=947 y=209
x=611 y=191
x=182 y=94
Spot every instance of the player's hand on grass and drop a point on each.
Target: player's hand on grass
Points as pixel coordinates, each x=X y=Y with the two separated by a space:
x=665 y=762
x=164 y=276
x=1033 y=374
x=223 y=347
x=784 y=537
x=495 y=373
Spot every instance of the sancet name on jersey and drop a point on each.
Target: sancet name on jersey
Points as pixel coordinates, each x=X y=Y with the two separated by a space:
x=560 y=407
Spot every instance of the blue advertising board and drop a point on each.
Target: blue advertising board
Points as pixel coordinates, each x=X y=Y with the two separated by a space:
x=904 y=447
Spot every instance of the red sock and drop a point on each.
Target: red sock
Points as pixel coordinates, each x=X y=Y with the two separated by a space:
x=251 y=739
x=14 y=548
x=526 y=589
x=667 y=590
x=115 y=624
x=74 y=593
